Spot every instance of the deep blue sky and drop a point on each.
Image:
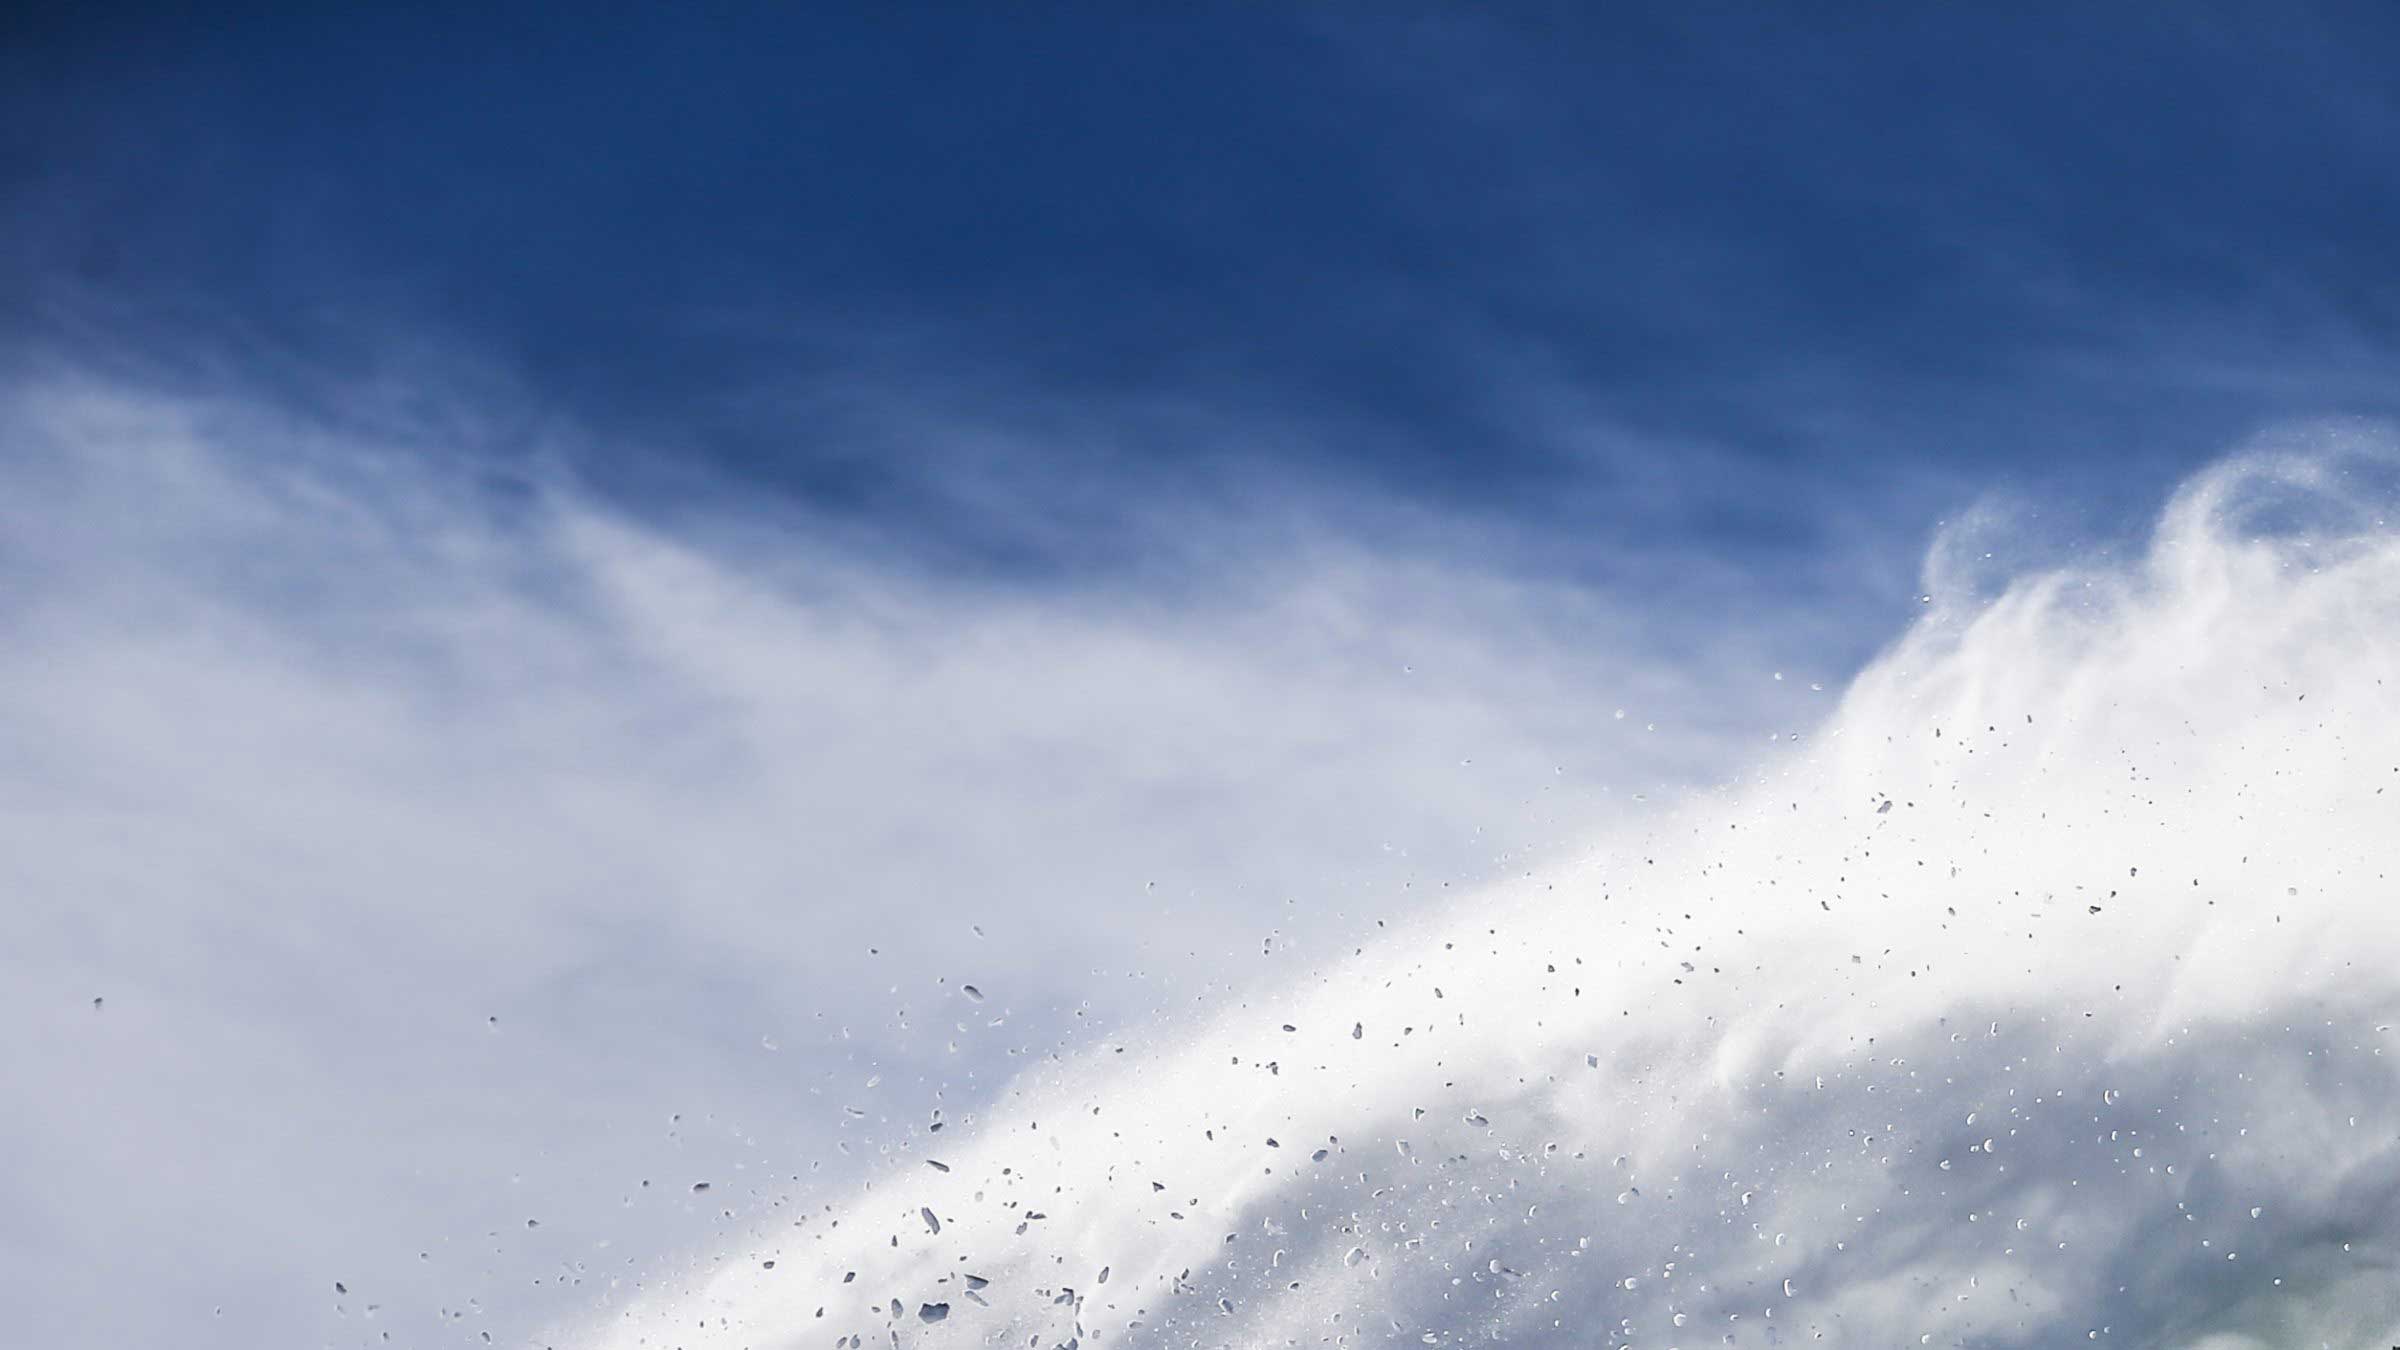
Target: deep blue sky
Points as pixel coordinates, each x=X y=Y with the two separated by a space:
x=1693 y=272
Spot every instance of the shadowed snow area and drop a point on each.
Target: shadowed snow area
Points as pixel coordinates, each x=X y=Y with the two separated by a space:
x=2041 y=995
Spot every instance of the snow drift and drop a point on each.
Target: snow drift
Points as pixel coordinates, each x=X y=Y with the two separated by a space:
x=2043 y=993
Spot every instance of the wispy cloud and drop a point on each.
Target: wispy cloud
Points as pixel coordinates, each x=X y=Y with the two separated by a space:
x=469 y=866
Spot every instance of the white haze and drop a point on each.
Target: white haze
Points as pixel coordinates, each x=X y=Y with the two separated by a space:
x=413 y=885
x=2043 y=994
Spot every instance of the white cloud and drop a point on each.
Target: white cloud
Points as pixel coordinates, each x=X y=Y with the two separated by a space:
x=2046 y=995
x=448 y=855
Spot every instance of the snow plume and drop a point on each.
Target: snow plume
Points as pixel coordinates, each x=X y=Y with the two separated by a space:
x=408 y=849
x=2042 y=994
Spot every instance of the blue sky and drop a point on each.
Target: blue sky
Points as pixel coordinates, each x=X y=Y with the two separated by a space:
x=565 y=582
x=1503 y=262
